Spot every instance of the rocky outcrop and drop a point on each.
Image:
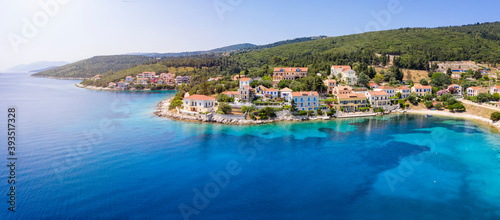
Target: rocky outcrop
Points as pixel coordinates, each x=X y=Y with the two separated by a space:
x=163 y=111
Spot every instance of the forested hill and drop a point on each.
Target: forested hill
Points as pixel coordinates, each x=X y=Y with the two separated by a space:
x=413 y=48
x=95 y=66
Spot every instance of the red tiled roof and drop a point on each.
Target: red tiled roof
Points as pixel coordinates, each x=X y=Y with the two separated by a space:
x=245 y=79
x=342 y=67
x=200 y=97
x=128 y=77
x=402 y=87
x=290 y=69
x=230 y=93
x=351 y=96
x=313 y=93
x=377 y=93
x=423 y=87
x=286 y=90
x=271 y=90
x=475 y=88
x=385 y=87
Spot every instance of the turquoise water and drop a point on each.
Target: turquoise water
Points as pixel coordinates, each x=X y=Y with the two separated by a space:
x=91 y=154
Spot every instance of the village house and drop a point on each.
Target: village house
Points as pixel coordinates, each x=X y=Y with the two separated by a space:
x=286 y=93
x=405 y=91
x=272 y=93
x=182 y=79
x=129 y=79
x=331 y=84
x=421 y=90
x=475 y=91
x=231 y=94
x=198 y=103
x=391 y=91
x=148 y=75
x=348 y=75
x=215 y=79
x=260 y=90
x=379 y=99
x=122 y=85
x=246 y=93
x=306 y=101
x=342 y=90
x=351 y=102
x=373 y=85
x=455 y=89
x=245 y=82
x=291 y=73
x=111 y=85
x=96 y=77
x=143 y=81
x=495 y=89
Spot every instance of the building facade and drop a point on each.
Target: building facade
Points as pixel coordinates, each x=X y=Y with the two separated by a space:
x=348 y=75
x=306 y=101
x=331 y=84
x=405 y=91
x=421 y=90
x=379 y=99
x=351 y=102
x=198 y=103
x=291 y=73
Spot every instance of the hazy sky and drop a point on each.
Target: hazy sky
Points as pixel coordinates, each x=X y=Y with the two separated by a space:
x=72 y=30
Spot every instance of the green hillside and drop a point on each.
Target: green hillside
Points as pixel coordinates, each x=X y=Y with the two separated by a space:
x=95 y=66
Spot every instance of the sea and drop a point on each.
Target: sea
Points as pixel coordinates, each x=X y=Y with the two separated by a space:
x=84 y=154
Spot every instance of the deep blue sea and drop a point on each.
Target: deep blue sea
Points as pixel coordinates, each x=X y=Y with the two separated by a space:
x=86 y=154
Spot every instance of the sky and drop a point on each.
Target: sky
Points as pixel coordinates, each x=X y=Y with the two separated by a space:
x=72 y=30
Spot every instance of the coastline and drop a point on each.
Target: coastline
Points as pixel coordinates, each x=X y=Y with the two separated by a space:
x=79 y=85
x=462 y=115
x=162 y=111
x=60 y=78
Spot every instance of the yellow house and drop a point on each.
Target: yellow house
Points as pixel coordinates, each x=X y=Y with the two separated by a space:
x=351 y=102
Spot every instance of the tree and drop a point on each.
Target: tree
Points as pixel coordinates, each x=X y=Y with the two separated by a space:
x=225 y=108
x=284 y=83
x=424 y=82
x=378 y=78
x=363 y=80
x=302 y=113
x=310 y=113
x=398 y=95
x=320 y=112
x=478 y=75
x=496 y=96
x=293 y=107
x=371 y=72
x=495 y=116
x=428 y=104
x=438 y=106
x=296 y=86
x=483 y=97
x=449 y=72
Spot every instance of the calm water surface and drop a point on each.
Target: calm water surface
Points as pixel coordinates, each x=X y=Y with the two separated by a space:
x=91 y=154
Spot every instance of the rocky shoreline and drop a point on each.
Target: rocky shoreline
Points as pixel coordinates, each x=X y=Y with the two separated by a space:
x=462 y=115
x=164 y=112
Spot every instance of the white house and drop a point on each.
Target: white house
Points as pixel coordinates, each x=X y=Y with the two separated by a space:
x=286 y=93
x=389 y=90
x=475 y=91
x=198 y=103
x=245 y=82
x=405 y=91
x=272 y=92
x=143 y=81
x=379 y=99
x=306 y=101
x=122 y=85
x=129 y=79
x=457 y=90
x=495 y=89
x=348 y=75
x=421 y=90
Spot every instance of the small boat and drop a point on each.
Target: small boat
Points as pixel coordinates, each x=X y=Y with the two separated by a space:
x=428 y=116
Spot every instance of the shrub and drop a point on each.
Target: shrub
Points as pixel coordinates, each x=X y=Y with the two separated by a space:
x=495 y=116
x=302 y=113
x=331 y=112
x=428 y=104
x=320 y=112
x=226 y=108
x=310 y=113
x=364 y=109
x=438 y=106
x=379 y=110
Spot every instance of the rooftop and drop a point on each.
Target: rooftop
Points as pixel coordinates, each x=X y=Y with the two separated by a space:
x=200 y=97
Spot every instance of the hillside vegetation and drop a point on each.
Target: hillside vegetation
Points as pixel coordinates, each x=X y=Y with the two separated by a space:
x=95 y=66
